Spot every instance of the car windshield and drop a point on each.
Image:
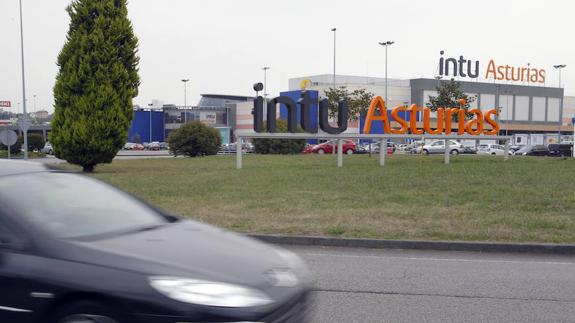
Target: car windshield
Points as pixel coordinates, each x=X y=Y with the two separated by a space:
x=74 y=206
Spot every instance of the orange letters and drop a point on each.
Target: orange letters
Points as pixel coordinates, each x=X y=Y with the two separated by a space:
x=474 y=126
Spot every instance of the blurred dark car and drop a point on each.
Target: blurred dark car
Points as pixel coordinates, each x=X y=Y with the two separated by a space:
x=87 y=252
x=561 y=150
x=533 y=150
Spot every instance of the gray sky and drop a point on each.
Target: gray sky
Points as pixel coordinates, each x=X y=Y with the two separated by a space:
x=221 y=45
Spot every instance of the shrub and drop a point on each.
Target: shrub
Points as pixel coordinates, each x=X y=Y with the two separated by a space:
x=195 y=139
x=35 y=142
x=279 y=146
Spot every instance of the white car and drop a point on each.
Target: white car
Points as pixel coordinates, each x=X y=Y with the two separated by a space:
x=438 y=147
x=491 y=149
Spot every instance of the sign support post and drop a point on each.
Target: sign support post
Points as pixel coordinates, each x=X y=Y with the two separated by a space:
x=239 y=153
x=340 y=153
x=506 y=151
x=382 y=151
x=446 y=153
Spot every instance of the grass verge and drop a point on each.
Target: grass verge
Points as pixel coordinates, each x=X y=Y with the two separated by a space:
x=472 y=199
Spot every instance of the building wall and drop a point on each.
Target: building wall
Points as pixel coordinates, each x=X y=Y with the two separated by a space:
x=141 y=126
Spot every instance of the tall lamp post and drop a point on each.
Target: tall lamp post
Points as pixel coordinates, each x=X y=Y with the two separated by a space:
x=185 y=99
x=334 y=32
x=150 y=105
x=560 y=67
x=24 y=124
x=386 y=44
x=265 y=69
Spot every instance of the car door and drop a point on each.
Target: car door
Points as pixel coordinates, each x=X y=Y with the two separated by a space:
x=437 y=147
x=15 y=303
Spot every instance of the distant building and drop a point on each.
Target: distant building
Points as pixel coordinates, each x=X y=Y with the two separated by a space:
x=216 y=110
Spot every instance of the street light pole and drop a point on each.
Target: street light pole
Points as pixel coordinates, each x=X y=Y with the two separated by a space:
x=185 y=99
x=150 y=105
x=265 y=69
x=25 y=114
x=386 y=44
x=334 y=47
x=560 y=67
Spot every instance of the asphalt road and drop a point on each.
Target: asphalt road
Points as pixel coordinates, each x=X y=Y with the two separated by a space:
x=356 y=285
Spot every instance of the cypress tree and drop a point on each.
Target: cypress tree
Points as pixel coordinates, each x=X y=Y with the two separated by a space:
x=97 y=80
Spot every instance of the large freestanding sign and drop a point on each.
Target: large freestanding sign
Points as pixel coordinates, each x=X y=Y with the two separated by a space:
x=481 y=123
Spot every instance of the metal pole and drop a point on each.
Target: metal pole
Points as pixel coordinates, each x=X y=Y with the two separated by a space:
x=265 y=68
x=506 y=151
x=334 y=39
x=25 y=116
x=238 y=153
x=382 y=151
x=185 y=99
x=446 y=153
x=386 y=103
x=340 y=153
x=560 y=113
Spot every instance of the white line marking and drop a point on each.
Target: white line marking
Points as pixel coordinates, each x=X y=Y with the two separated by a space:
x=441 y=259
x=12 y=309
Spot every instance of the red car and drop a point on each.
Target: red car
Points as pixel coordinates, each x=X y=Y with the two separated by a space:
x=327 y=147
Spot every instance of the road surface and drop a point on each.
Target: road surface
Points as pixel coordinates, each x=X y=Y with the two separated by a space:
x=357 y=285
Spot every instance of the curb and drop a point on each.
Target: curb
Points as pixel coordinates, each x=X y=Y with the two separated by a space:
x=539 y=248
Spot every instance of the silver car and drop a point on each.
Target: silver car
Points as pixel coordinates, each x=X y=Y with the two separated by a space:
x=438 y=147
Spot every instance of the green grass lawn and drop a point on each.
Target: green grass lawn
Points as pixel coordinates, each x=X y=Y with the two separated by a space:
x=411 y=197
x=31 y=154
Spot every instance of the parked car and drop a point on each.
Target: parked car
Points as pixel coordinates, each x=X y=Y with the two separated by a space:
x=47 y=148
x=438 y=147
x=492 y=149
x=561 y=150
x=154 y=145
x=87 y=252
x=129 y=146
x=163 y=146
x=307 y=148
x=138 y=147
x=328 y=147
x=469 y=150
x=533 y=150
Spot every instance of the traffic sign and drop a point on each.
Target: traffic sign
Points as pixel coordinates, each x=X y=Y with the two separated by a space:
x=8 y=137
x=5 y=104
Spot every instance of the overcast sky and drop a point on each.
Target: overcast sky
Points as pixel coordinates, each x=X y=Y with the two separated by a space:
x=221 y=45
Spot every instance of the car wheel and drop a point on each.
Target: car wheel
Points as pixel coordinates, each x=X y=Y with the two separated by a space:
x=349 y=152
x=425 y=152
x=493 y=154
x=87 y=312
x=454 y=152
x=321 y=151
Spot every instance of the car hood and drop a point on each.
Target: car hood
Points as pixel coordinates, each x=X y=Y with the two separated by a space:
x=187 y=249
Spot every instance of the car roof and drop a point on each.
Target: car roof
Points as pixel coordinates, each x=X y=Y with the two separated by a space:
x=14 y=167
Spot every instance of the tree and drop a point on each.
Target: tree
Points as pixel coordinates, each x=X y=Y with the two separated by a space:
x=136 y=138
x=357 y=101
x=97 y=80
x=279 y=146
x=195 y=139
x=450 y=96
